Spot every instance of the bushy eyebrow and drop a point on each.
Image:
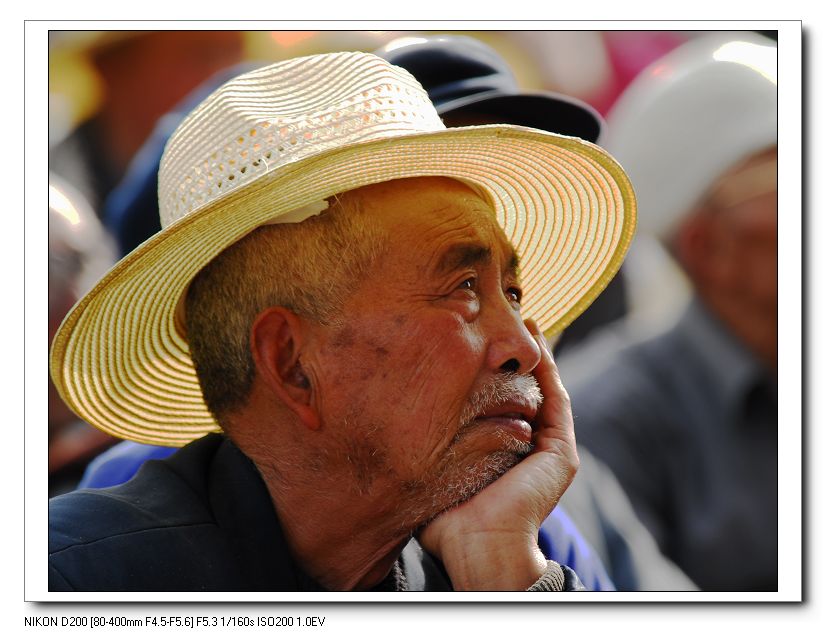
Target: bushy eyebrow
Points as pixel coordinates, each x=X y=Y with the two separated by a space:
x=465 y=255
x=513 y=263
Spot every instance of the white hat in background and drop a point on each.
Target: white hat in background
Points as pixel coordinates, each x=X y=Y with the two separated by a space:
x=691 y=116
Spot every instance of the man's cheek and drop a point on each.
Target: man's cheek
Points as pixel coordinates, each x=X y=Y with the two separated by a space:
x=357 y=353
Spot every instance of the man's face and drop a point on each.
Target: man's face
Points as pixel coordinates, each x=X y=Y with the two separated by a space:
x=748 y=233
x=424 y=381
x=733 y=261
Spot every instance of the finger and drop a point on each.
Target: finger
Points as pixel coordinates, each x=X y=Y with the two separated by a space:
x=556 y=409
x=551 y=342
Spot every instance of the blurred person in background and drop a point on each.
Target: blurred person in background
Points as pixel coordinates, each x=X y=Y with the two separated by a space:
x=470 y=83
x=80 y=251
x=688 y=420
x=130 y=212
x=95 y=155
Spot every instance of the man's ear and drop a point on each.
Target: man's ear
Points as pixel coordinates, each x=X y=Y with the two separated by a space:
x=277 y=339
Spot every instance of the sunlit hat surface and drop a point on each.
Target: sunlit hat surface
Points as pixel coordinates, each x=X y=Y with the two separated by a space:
x=265 y=148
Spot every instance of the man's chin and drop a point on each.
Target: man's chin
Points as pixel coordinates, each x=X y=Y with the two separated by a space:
x=483 y=473
x=460 y=483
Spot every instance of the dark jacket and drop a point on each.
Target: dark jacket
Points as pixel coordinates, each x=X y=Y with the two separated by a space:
x=201 y=520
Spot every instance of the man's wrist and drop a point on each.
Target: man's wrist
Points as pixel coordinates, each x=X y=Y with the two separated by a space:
x=498 y=565
x=553 y=579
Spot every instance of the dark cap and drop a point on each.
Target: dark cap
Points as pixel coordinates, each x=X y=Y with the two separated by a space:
x=470 y=83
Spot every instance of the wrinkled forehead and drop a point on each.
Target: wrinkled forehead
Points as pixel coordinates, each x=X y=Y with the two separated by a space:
x=436 y=222
x=407 y=200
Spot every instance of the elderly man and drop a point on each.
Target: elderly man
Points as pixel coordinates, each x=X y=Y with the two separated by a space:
x=688 y=419
x=339 y=290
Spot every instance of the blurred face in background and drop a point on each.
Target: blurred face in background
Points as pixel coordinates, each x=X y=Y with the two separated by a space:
x=729 y=249
x=146 y=74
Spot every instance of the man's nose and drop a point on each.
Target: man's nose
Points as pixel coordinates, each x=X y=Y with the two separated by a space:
x=511 y=347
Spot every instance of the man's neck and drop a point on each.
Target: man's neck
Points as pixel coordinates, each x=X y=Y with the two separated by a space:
x=344 y=532
x=343 y=539
x=755 y=328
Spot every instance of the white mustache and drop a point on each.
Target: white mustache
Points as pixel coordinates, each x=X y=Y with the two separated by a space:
x=499 y=389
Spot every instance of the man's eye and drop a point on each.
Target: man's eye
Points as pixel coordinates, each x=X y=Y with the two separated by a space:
x=514 y=294
x=468 y=284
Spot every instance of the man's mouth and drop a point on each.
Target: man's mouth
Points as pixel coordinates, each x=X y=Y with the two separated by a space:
x=507 y=403
x=515 y=418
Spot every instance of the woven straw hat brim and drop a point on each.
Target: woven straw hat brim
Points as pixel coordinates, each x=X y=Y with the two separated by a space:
x=121 y=363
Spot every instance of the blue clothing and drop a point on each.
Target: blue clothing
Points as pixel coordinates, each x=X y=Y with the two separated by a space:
x=120 y=463
x=561 y=541
x=559 y=537
x=604 y=516
x=688 y=424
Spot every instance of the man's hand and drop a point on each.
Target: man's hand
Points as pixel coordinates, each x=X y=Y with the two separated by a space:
x=490 y=541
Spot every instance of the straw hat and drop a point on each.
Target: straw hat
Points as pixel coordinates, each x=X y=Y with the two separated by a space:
x=269 y=147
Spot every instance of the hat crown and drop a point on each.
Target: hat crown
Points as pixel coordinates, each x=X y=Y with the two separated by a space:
x=266 y=119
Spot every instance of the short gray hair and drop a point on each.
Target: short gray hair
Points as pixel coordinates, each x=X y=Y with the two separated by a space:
x=309 y=267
